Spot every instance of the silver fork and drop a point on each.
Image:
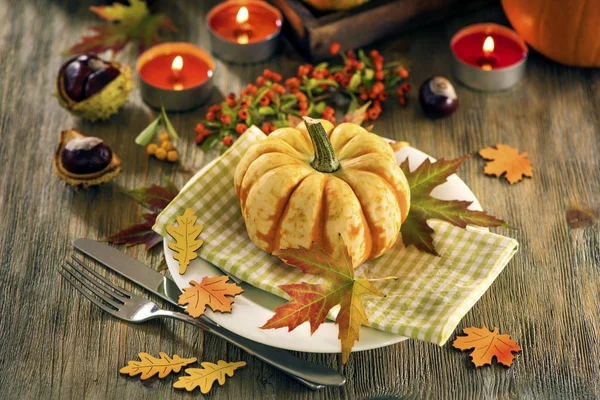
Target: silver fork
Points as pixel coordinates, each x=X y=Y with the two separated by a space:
x=133 y=308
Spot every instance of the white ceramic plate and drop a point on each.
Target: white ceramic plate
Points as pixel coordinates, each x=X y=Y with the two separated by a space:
x=255 y=306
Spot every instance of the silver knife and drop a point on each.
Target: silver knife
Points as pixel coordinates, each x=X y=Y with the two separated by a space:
x=310 y=374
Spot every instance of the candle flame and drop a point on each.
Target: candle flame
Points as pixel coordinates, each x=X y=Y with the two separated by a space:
x=488 y=45
x=177 y=64
x=242 y=15
x=243 y=38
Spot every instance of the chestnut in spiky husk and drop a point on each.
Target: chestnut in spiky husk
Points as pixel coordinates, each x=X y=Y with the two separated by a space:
x=92 y=88
x=84 y=161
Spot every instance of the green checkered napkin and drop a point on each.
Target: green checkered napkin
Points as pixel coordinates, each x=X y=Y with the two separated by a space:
x=426 y=303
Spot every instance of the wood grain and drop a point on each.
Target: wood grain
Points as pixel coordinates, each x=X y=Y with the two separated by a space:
x=55 y=344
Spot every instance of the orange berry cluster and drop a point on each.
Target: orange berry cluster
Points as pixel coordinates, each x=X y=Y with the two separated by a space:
x=164 y=151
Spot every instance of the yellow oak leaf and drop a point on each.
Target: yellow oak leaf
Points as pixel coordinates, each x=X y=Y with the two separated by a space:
x=507 y=160
x=207 y=375
x=186 y=242
x=212 y=292
x=487 y=345
x=149 y=366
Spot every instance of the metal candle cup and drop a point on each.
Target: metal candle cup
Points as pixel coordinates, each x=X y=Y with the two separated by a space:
x=176 y=90
x=507 y=60
x=244 y=36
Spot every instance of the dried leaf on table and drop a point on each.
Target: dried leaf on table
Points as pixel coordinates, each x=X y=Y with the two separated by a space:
x=205 y=377
x=149 y=366
x=422 y=181
x=487 y=345
x=127 y=23
x=186 y=239
x=154 y=198
x=211 y=291
x=312 y=302
x=508 y=161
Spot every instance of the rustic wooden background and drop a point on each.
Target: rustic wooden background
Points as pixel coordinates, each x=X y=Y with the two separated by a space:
x=55 y=344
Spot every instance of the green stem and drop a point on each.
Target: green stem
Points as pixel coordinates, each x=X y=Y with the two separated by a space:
x=325 y=159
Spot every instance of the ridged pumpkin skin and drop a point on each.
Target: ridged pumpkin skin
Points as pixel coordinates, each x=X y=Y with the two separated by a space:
x=565 y=31
x=287 y=203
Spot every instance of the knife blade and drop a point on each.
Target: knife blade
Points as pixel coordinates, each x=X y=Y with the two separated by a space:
x=130 y=268
x=313 y=375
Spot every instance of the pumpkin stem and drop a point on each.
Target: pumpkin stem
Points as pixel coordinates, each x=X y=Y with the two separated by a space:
x=325 y=159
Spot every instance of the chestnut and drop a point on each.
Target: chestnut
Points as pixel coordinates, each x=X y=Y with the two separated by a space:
x=86 y=75
x=85 y=155
x=84 y=161
x=92 y=88
x=438 y=97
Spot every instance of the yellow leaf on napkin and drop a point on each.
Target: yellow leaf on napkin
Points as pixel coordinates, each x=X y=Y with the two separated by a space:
x=186 y=242
x=149 y=366
x=207 y=375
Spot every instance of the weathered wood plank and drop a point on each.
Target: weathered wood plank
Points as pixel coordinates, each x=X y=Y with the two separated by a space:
x=57 y=345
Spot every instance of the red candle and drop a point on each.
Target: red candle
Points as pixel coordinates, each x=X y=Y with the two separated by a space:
x=244 y=22
x=489 y=46
x=176 y=76
x=175 y=66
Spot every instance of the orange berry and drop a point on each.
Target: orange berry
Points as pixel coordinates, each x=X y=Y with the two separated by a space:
x=164 y=137
x=167 y=145
x=172 y=156
x=161 y=153
x=227 y=140
x=151 y=149
x=334 y=48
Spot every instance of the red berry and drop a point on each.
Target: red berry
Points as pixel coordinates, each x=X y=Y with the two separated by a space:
x=210 y=116
x=241 y=128
x=264 y=101
x=402 y=72
x=230 y=102
x=225 y=118
x=278 y=88
x=243 y=114
x=260 y=81
x=227 y=140
x=292 y=82
x=276 y=77
x=364 y=96
x=267 y=73
x=200 y=129
x=334 y=48
x=379 y=75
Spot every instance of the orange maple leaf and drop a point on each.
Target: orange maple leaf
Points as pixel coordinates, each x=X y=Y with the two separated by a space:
x=212 y=292
x=507 y=160
x=487 y=345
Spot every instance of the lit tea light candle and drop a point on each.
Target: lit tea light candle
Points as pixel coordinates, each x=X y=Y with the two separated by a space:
x=488 y=56
x=176 y=75
x=244 y=31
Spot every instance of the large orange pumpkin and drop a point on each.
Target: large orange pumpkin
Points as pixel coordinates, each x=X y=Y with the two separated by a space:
x=566 y=31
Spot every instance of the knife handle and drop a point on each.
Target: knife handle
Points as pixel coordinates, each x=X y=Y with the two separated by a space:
x=313 y=375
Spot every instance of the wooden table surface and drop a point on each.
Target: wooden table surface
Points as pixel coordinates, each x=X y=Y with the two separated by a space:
x=55 y=344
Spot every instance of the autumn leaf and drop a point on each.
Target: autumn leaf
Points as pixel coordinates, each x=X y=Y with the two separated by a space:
x=154 y=198
x=357 y=116
x=506 y=160
x=206 y=376
x=131 y=22
x=186 y=242
x=487 y=345
x=212 y=292
x=423 y=207
x=397 y=146
x=149 y=366
x=312 y=302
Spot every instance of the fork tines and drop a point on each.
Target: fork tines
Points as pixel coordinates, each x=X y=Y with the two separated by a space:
x=100 y=291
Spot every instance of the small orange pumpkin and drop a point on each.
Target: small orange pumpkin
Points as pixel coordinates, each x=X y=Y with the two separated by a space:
x=564 y=31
